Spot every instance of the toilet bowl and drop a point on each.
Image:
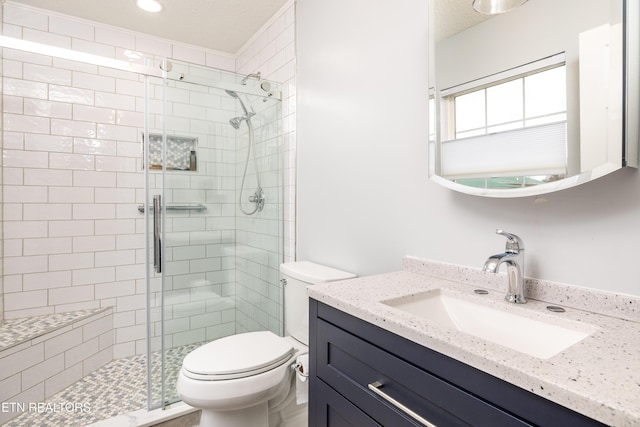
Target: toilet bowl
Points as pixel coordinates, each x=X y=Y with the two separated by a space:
x=247 y=379
x=239 y=372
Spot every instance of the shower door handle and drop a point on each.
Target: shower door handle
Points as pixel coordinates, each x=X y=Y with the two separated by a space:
x=157 y=232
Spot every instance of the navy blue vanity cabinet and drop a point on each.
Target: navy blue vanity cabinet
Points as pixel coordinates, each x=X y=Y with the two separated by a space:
x=353 y=362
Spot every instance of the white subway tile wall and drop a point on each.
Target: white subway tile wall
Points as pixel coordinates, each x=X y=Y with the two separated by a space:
x=272 y=52
x=72 y=181
x=259 y=293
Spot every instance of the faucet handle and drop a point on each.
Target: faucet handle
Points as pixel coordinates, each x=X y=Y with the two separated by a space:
x=514 y=243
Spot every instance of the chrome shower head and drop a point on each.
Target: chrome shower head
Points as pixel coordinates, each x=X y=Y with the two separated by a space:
x=235 y=122
x=235 y=95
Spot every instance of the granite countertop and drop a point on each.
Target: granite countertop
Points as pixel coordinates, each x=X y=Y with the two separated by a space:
x=598 y=376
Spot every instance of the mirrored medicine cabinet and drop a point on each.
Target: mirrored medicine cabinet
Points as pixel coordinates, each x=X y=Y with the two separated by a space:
x=538 y=99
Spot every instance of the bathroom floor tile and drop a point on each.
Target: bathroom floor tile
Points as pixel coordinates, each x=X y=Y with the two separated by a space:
x=115 y=389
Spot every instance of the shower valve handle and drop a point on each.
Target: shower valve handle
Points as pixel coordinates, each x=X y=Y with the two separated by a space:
x=258 y=198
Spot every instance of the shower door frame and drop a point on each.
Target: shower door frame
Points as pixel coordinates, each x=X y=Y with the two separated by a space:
x=156 y=263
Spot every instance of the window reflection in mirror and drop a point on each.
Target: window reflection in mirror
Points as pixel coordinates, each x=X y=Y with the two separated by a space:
x=527 y=97
x=531 y=100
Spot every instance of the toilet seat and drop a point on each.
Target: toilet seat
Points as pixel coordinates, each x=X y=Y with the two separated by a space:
x=237 y=356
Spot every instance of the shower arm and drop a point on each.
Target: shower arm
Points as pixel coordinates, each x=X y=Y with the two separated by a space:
x=256 y=76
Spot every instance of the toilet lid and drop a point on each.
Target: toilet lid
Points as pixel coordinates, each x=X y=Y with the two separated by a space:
x=237 y=356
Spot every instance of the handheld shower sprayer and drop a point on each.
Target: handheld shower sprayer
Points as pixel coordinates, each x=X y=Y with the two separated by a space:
x=235 y=122
x=258 y=197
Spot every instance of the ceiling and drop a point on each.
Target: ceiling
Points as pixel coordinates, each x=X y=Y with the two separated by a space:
x=221 y=25
x=454 y=16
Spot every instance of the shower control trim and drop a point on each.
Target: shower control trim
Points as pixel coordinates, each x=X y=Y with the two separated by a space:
x=258 y=198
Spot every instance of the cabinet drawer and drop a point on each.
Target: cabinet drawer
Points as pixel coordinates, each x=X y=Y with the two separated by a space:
x=335 y=411
x=349 y=364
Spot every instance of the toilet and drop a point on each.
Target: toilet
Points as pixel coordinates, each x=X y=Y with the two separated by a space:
x=247 y=379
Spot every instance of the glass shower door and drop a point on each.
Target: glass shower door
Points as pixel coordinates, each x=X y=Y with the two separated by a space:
x=219 y=266
x=191 y=168
x=153 y=154
x=177 y=239
x=199 y=226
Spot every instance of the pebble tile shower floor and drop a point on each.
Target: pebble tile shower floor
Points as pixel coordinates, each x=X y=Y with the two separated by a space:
x=115 y=389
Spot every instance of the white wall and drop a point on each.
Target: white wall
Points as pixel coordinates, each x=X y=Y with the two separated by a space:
x=72 y=180
x=364 y=198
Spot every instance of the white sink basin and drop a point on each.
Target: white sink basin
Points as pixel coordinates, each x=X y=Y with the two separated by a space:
x=535 y=337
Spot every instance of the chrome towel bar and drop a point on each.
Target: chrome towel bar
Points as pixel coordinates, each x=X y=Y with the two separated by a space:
x=199 y=207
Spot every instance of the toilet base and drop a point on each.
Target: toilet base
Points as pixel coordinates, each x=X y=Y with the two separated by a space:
x=255 y=416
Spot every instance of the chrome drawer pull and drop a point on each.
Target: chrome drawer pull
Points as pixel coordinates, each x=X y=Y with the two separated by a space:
x=375 y=387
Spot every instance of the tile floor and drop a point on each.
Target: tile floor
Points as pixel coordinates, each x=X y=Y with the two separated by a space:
x=117 y=388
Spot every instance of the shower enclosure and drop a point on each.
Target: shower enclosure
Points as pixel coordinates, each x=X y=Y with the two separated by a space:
x=123 y=188
x=214 y=247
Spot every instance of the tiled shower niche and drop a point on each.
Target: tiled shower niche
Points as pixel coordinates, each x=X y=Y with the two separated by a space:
x=182 y=152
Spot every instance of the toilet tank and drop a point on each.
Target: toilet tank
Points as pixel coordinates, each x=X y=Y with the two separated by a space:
x=298 y=275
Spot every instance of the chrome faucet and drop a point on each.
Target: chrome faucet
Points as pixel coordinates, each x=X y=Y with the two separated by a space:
x=513 y=256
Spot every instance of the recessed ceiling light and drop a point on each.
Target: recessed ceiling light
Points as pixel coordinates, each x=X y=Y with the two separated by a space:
x=149 y=5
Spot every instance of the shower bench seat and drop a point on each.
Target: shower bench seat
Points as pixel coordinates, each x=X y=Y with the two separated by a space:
x=42 y=355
